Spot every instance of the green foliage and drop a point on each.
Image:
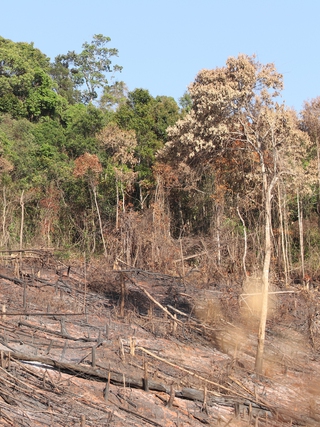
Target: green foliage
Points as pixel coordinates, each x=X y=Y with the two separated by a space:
x=65 y=86
x=50 y=131
x=149 y=117
x=87 y=70
x=19 y=143
x=42 y=100
x=185 y=103
x=82 y=124
x=26 y=89
x=113 y=96
x=166 y=113
x=35 y=151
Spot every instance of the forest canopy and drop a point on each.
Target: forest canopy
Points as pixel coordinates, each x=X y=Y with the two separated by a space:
x=89 y=166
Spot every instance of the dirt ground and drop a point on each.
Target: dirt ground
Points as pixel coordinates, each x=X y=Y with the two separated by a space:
x=89 y=346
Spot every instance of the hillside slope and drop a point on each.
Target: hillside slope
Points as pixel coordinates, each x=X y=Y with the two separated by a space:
x=93 y=347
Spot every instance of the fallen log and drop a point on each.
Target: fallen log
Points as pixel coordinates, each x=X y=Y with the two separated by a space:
x=57 y=333
x=117 y=378
x=12 y=279
x=161 y=359
x=99 y=374
x=157 y=303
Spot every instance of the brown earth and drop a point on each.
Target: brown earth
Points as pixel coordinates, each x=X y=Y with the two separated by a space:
x=98 y=347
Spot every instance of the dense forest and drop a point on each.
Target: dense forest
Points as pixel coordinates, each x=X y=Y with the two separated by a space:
x=228 y=180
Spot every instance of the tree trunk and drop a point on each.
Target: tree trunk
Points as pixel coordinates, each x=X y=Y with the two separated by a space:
x=142 y=198
x=4 y=218
x=117 y=205
x=22 y=220
x=123 y=198
x=283 y=241
x=94 y=190
x=267 y=189
x=300 y=222
x=318 y=158
x=218 y=211
x=245 y=242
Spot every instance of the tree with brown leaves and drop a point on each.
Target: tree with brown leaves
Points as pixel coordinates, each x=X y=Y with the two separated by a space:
x=89 y=166
x=120 y=145
x=235 y=115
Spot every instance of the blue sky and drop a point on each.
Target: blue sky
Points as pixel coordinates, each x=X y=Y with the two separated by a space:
x=164 y=43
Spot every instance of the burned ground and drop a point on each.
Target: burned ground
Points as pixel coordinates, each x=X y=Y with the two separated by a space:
x=98 y=347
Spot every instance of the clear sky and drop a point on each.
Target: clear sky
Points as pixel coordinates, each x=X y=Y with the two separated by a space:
x=164 y=43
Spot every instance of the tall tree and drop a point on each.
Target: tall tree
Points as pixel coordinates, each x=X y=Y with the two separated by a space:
x=88 y=70
x=65 y=82
x=26 y=89
x=114 y=96
x=82 y=122
x=89 y=167
x=120 y=145
x=149 y=117
x=185 y=103
x=311 y=123
x=234 y=115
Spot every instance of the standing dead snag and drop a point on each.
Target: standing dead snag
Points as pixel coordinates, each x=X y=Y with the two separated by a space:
x=132 y=346
x=204 y=404
x=93 y=357
x=64 y=350
x=123 y=294
x=83 y=420
x=107 y=388
x=63 y=327
x=24 y=302
x=145 y=377
x=22 y=220
x=4 y=309
x=171 y=398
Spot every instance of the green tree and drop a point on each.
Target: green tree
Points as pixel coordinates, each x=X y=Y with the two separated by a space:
x=114 y=96
x=82 y=122
x=26 y=89
x=185 y=103
x=87 y=70
x=149 y=117
x=65 y=84
x=166 y=113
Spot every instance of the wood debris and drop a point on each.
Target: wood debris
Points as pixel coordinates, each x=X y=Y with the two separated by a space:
x=151 y=362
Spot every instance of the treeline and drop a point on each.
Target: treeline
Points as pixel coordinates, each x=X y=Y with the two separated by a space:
x=88 y=167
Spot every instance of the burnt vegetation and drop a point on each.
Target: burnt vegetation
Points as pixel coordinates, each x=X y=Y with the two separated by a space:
x=85 y=345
